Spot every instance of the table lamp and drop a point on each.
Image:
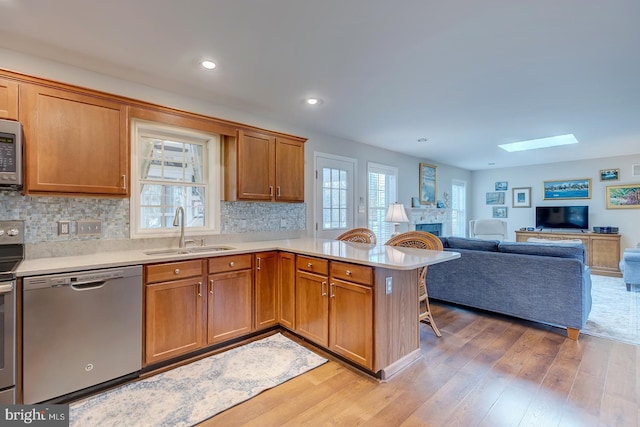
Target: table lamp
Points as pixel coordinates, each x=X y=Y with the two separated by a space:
x=396 y=214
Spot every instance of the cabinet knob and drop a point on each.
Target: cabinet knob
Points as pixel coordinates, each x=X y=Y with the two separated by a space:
x=231 y=264
x=176 y=271
x=348 y=272
x=309 y=265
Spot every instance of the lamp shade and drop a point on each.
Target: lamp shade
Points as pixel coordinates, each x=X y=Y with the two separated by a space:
x=396 y=213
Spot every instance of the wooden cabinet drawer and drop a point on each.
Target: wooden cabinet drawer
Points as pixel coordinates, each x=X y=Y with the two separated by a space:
x=352 y=273
x=312 y=265
x=230 y=263
x=173 y=271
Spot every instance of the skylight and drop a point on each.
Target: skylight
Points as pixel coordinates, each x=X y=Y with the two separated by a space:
x=534 y=144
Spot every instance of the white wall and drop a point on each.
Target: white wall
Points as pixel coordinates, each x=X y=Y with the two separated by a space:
x=408 y=166
x=627 y=220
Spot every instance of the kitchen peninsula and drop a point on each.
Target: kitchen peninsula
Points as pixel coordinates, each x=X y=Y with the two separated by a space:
x=355 y=300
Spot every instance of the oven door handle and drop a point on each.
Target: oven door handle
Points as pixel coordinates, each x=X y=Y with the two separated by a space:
x=6 y=288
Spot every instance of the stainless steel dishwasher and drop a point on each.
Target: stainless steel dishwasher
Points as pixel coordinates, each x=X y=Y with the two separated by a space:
x=80 y=329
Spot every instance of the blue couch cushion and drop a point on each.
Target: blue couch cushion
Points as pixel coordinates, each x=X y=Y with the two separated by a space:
x=472 y=244
x=565 y=250
x=445 y=241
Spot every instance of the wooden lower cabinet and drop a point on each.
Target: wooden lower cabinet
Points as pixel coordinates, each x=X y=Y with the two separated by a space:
x=266 y=290
x=287 y=290
x=229 y=299
x=351 y=321
x=603 y=250
x=174 y=311
x=336 y=313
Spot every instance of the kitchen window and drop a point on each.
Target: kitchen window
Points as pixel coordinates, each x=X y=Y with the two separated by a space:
x=173 y=167
x=382 y=183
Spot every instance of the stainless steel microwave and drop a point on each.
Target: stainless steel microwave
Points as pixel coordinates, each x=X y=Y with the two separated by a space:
x=10 y=154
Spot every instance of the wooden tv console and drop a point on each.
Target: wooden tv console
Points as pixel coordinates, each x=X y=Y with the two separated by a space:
x=603 y=250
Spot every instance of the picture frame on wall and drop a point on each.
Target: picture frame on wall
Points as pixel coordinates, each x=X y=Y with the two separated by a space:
x=623 y=196
x=567 y=189
x=499 y=211
x=521 y=197
x=609 y=174
x=428 y=184
x=495 y=198
x=502 y=185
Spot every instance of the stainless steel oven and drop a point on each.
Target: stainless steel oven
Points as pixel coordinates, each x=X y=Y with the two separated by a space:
x=11 y=254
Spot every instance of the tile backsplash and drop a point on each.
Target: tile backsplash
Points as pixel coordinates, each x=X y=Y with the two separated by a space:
x=42 y=213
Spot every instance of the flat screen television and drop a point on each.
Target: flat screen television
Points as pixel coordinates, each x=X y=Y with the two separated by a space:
x=562 y=217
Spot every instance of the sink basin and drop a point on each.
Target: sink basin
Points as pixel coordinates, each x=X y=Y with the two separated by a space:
x=209 y=248
x=168 y=251
x=192 y=250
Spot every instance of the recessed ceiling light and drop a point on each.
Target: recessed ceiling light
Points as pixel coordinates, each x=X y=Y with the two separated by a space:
x=208 y=65
x=422 y=140
x=533 y=144
x=313 y=101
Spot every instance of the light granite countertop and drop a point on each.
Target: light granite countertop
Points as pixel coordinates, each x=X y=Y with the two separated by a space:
x=396 y=258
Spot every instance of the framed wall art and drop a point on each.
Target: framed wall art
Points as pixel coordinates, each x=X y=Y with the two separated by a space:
x=567 y=189
x=428 y=184
x=609 y=174
x=499 y=211
x=623 y=196
x=495 y=198
x=521 y=197
x=502 y=185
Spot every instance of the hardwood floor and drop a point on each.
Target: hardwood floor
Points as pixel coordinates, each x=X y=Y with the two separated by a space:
x=486 y=370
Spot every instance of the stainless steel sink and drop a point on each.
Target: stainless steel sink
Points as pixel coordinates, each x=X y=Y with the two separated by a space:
x=192 y=250
x=168 y=252
x=209 y=248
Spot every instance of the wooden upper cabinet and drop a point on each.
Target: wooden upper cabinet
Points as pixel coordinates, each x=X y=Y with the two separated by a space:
x=262 y=166
x=75 y=143
x=289 y=170
x=256 y=166
x=8 y=99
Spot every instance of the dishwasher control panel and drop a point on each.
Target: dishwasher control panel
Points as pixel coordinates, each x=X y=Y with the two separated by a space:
x=79 y=278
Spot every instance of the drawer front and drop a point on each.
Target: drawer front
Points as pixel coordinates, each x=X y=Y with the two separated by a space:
x=230 y=263
x=352 y=273
x=312 y=265
x=173 y=271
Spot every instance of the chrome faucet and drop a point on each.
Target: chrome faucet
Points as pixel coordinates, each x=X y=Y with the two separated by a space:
x=180 y=221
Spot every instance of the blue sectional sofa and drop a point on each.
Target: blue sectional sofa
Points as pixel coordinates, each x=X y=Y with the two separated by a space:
x=541 y=282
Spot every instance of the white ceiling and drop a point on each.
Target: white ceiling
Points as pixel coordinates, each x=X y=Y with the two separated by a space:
x=465 y=74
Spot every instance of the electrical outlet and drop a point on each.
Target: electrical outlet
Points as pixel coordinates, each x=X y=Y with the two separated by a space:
x=89 y=228
x=389 y=283
x=63 y=228
x=283 y=223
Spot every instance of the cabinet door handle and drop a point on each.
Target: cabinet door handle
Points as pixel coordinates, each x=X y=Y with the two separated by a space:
x=323 y=289
x=231 y=264
x=348 y=272
x=199 y=289
x=309 y=265
x=258 y=267
x=271 y=191
x=331 y=294
x=124 y=182
x=176 y=271
x=211 y=287
x=278 y=191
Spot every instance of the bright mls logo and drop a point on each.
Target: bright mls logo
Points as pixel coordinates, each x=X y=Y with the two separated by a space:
x=36 y=415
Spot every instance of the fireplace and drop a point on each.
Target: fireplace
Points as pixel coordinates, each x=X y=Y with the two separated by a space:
x=434 y=228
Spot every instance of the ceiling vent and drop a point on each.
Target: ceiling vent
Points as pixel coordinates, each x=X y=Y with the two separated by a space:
x=635 y=170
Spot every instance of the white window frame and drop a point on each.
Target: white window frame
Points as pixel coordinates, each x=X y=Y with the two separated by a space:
x=464 y=222
x=387 y=170
x=211 y=168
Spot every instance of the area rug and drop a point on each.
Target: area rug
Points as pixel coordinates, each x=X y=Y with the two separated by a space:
x=615 y=313
x=192 y=393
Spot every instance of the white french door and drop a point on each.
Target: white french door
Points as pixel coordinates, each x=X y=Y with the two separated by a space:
x=334 y=195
